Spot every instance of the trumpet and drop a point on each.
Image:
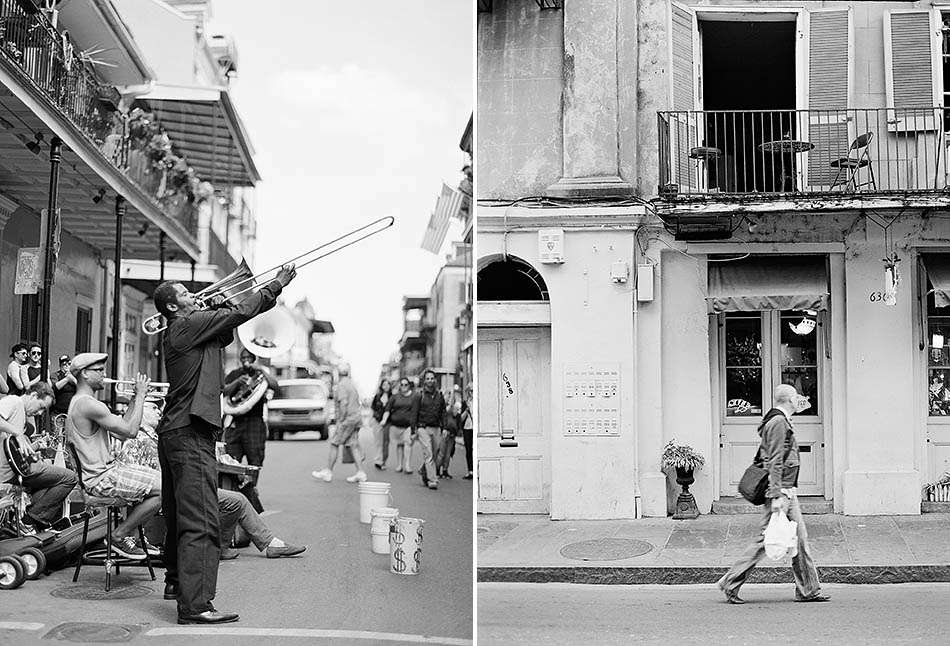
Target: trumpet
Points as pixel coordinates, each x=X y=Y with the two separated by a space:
x=223 y=289
x=126 y=387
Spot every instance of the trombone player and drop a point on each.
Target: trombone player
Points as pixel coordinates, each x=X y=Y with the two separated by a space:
x=248 y=434
x=192 y=347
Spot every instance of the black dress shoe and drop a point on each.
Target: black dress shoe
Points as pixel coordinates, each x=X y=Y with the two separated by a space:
x=171 y=591
x=228 y=554
x=814 y=599
x=209 y=617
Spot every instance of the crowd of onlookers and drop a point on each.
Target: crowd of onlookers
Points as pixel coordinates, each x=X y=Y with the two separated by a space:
x=25 y=370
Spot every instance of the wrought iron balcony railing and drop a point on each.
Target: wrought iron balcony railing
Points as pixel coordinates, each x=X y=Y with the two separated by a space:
x=793 y=152
x=46 y=60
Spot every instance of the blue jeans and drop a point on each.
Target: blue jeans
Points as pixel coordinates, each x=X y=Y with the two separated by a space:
x=803 y=567
x=190 y=506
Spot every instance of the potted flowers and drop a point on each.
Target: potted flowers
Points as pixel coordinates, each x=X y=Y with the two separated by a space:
x=684 y=459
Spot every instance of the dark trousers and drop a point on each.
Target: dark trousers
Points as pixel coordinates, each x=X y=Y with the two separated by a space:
x=467 y=437
x=190 y=507
x=48 y=487
x=248 y=437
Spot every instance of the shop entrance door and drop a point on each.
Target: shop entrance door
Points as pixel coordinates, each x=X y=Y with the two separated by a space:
x=514 y=368
x=758 y=351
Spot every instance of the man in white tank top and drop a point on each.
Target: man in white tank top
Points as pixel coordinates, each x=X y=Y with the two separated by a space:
x=90 y=425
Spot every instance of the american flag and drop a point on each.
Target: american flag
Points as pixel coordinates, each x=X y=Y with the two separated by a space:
x=446 y=207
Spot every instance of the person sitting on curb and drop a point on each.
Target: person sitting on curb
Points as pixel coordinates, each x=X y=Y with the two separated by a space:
x=90 y=425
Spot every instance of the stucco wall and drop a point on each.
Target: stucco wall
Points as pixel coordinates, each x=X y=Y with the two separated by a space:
x=592 y=477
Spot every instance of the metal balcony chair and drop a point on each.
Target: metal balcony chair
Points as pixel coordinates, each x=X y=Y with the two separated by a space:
x=112 y=506
x=849 y=167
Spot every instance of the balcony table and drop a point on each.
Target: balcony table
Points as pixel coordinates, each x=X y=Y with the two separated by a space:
x=791 y=147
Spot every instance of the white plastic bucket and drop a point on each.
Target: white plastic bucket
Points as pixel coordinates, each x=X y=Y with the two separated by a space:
x=379 y=527
x=405 y=545
x=372 y=495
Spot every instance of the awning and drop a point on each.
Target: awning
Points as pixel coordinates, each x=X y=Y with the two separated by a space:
x=768 y=283
x=206 y=129
x=938 y=271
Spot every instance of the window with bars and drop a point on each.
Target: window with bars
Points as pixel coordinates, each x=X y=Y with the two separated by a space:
x=83 y=329
x=30 y=317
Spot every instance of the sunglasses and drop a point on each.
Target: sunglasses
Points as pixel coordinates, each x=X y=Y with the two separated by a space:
x=36 y=353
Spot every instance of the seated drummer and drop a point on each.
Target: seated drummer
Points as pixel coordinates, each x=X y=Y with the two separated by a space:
x=47 y=485
x=233 y=507
x=89 y=426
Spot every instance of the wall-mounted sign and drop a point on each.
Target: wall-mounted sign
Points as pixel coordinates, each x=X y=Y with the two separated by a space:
x=29 y=273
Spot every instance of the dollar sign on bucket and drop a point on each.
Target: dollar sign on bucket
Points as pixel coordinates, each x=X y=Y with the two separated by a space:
x=405 y=537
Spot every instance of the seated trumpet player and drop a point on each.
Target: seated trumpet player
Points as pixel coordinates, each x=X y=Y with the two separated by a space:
x=47 y=485
x=89 y=426
x=245 y=388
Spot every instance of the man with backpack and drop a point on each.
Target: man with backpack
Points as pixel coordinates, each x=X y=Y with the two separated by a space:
x=778 y=453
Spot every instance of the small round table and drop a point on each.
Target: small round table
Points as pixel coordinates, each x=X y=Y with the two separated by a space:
x=787 y=146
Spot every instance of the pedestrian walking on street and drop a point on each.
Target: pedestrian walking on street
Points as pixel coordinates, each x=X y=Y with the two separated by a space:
x=192 y=344
x=450 y=429
x=399 y=416
x=468 y=428
x=349 y=418
x=381 y=433
x=428 y=427
x=778 y=453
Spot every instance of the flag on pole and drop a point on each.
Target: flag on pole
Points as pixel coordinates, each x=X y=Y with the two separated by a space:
x=446 y=207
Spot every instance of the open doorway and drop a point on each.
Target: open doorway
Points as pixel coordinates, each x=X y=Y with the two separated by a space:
x=749 y=66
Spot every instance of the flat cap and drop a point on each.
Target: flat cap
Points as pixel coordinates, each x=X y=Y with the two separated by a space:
x=86 y=359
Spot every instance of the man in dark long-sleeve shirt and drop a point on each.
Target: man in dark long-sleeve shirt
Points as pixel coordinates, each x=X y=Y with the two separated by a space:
x=428 y=427
x=193 y=347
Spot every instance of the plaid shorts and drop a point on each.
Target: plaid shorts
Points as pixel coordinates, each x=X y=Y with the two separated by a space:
x=130 y=482
x=346 y=434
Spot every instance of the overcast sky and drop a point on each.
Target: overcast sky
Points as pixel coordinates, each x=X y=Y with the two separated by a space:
x=355 y=111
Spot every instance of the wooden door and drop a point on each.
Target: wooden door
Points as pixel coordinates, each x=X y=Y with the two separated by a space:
x=513 y=452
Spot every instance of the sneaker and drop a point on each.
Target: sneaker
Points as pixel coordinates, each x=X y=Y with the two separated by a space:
x=380 y=467
x=323 y=474
x=445 y=474
x=128 y=547
x=150 y=549
x=398 y=469
x=469 y=476
x=359 y=476
x=433 y=484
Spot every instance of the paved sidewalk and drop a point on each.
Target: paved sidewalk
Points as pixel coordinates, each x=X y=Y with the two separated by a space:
x=847 y=549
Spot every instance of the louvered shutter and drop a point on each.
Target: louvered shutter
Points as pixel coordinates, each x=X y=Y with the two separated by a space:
x=683 y=126
x=829 y=92
x=911 y=51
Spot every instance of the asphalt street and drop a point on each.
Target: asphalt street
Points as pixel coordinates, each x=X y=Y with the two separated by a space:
x=338 y=592
x=561 y=613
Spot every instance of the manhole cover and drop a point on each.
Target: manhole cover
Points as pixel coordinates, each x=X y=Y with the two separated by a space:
x=95 y=592
x=85 y=633
x=605 y=549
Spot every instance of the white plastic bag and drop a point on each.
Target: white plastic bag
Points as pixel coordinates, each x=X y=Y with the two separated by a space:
x=781 y=537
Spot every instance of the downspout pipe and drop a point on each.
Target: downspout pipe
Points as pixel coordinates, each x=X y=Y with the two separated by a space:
x=120 y=209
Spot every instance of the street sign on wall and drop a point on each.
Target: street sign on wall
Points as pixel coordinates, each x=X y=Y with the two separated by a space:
x=29 y=273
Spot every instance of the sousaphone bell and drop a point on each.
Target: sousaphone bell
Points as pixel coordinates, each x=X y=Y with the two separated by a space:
x=267 y=335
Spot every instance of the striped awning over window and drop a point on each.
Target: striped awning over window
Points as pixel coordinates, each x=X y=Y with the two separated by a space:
x=761 y=283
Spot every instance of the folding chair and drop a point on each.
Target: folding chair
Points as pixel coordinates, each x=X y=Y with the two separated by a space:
x=112 y=505
x=852 y=164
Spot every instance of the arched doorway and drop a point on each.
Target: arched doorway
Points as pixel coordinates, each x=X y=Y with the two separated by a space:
x=514 y=377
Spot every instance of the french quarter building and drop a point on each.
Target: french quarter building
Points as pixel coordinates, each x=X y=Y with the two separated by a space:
x=681 y=206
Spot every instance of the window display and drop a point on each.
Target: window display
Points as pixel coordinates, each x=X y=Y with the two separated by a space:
x=743 y=365
x=938 y=359
x=799 y=360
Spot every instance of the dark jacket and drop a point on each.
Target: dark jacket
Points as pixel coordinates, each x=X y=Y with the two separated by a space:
x=378 y=406
x=193 y=348
x=778 y=452
x=431 y=411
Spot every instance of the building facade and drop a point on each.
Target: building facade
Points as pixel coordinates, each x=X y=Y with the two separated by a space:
x=684 y=205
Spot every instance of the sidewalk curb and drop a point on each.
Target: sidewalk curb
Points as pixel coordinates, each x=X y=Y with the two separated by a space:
x=853 y=574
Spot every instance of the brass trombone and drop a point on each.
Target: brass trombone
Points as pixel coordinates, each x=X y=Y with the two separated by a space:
x=156 y=323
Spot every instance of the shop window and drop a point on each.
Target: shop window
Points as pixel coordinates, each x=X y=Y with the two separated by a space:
x=799 y=352
x=938 y=358
x=743 y=365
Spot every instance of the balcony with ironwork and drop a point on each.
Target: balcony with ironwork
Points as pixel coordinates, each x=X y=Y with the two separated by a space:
x=48 y=84
x=750 y=160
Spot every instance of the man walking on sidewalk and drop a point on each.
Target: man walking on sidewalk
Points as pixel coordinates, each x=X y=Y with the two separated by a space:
x=778 y=452
x=428 y=427
x=349 y=419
